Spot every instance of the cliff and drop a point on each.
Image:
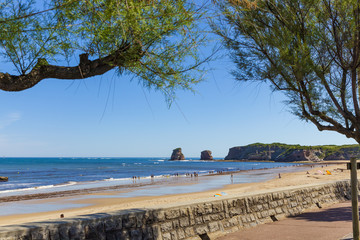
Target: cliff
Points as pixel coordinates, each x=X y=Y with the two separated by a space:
x=290 y=153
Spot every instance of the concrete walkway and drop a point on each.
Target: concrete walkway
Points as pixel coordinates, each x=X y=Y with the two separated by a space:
x=331 y=223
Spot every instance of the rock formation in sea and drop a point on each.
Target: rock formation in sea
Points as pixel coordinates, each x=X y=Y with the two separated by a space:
x=290 y=153
x=177 y=154
x=4 y=179
x=206 y=155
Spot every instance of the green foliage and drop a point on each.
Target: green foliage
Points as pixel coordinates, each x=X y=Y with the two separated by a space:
x=161 y=37
x=282 y=150
x=298 y=146
x=308 y=49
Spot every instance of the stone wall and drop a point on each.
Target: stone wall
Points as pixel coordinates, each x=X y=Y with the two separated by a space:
x=194 y=221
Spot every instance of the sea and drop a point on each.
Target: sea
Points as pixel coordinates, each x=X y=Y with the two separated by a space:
x=43 y=175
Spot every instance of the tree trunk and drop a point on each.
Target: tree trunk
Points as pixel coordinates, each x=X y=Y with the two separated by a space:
x=354 y=199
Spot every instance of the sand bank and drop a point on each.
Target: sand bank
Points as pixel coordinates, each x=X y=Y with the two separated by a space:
x=108 y=201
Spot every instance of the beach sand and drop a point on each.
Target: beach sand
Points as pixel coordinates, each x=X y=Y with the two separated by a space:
x=104 y=202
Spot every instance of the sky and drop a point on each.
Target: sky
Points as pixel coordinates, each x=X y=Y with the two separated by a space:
x=114 y=116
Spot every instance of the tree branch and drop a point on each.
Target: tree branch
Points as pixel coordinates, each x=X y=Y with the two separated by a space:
x=86 y=68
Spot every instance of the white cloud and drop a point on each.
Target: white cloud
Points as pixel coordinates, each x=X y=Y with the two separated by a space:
x=9 y=119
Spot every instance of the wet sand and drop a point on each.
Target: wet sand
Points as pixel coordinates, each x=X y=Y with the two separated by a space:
x=108 y=200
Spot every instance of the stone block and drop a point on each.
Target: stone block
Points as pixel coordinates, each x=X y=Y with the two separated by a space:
x=273 y=204
x=233 y=221
x=214 y=217
x=264 y=214
x=148 y=217
x=147 y=233
x=206 y=218
x=166 y=227
x=189 y=232
x=281 y=195
x=139 y=220
x=136 y=234
x=184 y=222
x=199 y=210
x=213 y=226
x=221 y=216
x=174 y=235
x=239 y=218
x=291 y=212
x=63 y=232
x=259 y=207
x=226 y=224
x=94 y=230
x=285 y=210
x=129 y=221
x=181 y=234
x=232 y=203
x=272 y=212
x=201 y=229
x=208 y=208
x=39 y=233
x=166 y=236
x=234 y=212
x=287 y=194
x=217 y=207
x=76 y=232
x=198 y=220
x=54 y=233
x=265 y=206
x=172 y=214
x=159 y=216
x=275 y=195
x=156 y=232
x=113 y=224
x=123 y=235
x=184 y=212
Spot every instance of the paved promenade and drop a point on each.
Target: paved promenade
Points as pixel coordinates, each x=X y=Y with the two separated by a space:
x=331 y=223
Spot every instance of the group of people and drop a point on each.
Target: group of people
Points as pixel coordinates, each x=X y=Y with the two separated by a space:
x=195 y=174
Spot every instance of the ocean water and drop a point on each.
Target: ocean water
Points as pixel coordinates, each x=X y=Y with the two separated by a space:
x=38 y=175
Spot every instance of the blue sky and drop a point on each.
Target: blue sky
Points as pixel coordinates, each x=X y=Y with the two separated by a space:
x=112 y=116
x=115 y=117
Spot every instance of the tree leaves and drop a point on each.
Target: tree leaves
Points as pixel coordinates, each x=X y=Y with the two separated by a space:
x=159 y=52
x=308 y=49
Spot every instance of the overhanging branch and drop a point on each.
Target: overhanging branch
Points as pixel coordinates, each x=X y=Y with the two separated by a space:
x=86 y=68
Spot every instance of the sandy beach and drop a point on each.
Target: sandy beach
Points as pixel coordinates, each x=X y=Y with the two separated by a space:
x=108 y=201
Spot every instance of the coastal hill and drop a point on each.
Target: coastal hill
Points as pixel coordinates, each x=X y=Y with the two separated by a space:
x=279 y=152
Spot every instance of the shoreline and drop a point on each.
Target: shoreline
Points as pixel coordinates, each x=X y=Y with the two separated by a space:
x=75 y=187
x=165 y=180
x=108 y=201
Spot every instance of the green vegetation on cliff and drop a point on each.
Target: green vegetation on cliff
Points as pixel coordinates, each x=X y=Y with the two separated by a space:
x=284 y=152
